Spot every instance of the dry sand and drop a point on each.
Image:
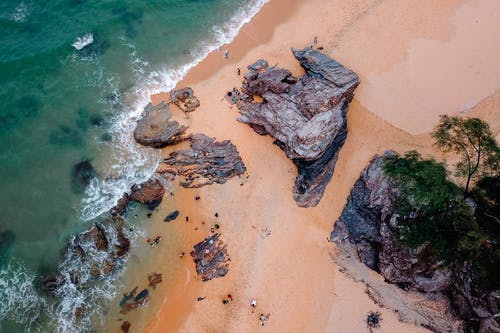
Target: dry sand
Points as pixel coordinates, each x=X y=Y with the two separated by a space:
x=416 y=59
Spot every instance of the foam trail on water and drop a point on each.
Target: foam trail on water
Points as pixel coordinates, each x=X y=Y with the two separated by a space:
x=20 y=301
x=20 y=12
x=130 y=162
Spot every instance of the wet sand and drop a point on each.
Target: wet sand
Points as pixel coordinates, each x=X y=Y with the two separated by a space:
x=415 y=63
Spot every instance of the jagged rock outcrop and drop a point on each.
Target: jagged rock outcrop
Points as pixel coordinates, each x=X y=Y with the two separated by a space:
x=155 y=129
x=148 y=193
x=93 y=253
x=207 y=162
x=306 y=116
x=368 y=230
x=184 y=99
x=211 y=258
x=370 y=222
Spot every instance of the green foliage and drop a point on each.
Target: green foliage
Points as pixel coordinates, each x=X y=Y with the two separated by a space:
x=432 y=210
x=487 y=196
x=472 y=140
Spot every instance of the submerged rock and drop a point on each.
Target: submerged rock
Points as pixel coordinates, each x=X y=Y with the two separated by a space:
x=125 y=326
x=207 y=162
x=52 y=282
x=306 y=116
x=7 y=239
x=211 y=258
x=83 y=173
x=184 y=99
x=155 y=129
x=153 y=279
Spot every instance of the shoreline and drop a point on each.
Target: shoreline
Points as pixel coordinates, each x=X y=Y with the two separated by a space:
x=257 y=268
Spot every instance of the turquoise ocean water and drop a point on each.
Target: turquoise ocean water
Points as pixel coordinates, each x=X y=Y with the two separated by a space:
x=60 y=106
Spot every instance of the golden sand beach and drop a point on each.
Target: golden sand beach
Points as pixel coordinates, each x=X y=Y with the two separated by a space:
x=416 y=60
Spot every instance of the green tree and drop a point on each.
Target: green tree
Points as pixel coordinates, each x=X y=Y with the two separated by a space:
x=432 y=209
x=472 y=140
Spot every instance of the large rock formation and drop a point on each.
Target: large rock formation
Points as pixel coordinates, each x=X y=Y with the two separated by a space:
x=148 y=193
x=368 y=230
x=306 y=116
x=370 y=223
x=211 y=258
x=207 y=162
x=155 y=129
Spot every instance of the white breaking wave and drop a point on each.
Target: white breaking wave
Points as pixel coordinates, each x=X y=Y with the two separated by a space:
x=93 y=298
x=20 y=301
x=81 y=42
x=130 y=162
x=20 y=12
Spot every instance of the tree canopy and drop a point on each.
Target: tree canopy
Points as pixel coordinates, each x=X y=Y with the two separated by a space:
x=473 y=141
x=432 y=210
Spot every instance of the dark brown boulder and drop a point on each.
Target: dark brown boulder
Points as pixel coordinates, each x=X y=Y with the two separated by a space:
x=211 y=258
x=155 y=129
x=207 y=162
x=184 y=99
x=125 y=326
x=148 y=193
x=95 y=235
x=306 y=116
x=123 y=245
x=120 y=206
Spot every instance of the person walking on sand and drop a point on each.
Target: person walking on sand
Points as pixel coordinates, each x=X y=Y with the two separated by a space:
x=253 y=303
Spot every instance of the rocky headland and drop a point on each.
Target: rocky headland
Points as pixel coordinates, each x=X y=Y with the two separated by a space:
x=444 y=297
x=306 y=116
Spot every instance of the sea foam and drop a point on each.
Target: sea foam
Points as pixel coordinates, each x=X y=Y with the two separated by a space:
x=81 y=42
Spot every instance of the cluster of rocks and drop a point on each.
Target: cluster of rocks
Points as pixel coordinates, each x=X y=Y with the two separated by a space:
x=368 y=229
x=133 y=300
x=211 y=258
x=206 y=162
x=97 y=251
x=306 y=116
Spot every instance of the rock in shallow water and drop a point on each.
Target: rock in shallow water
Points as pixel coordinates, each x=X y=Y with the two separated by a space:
x=83 y=173
x=306 y=116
